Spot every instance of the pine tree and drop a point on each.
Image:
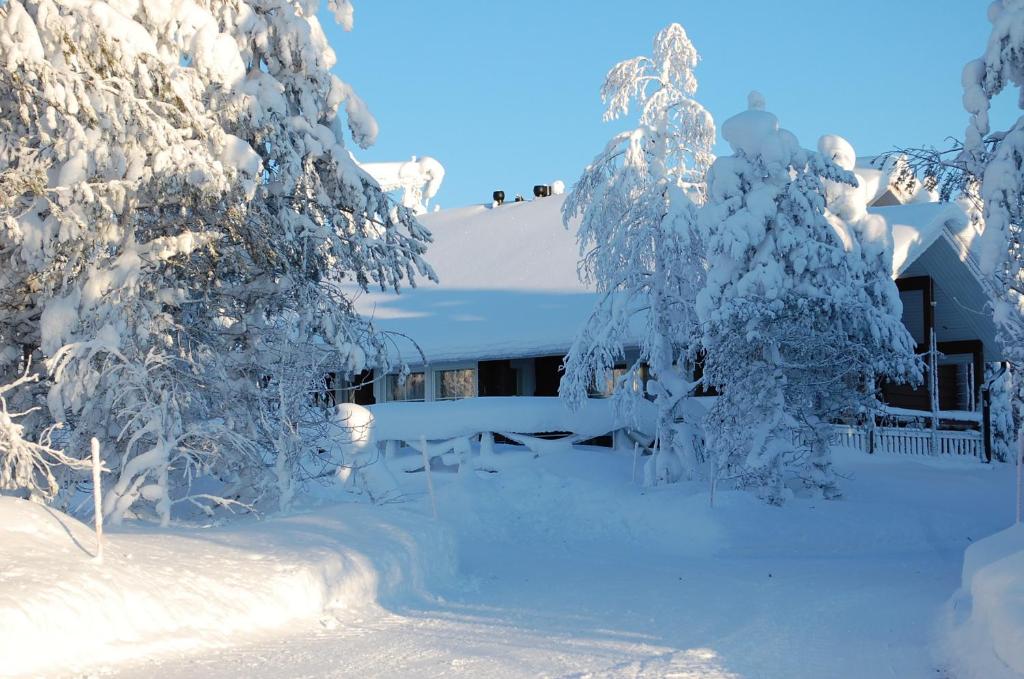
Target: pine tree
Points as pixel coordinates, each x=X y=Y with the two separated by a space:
x=637 y=205
x=179 y=213
x=792 y=328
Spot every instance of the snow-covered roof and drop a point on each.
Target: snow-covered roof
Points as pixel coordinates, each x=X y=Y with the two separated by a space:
x=878 y=176
x=915 y=227
x=418 y=179
x=508 y=284
x=938 y=240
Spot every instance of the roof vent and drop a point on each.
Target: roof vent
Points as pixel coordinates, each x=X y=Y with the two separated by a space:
x=499 y=198
x=519 y=198
x=541 y=191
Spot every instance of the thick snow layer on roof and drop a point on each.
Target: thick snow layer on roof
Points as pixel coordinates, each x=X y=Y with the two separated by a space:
x=916 y=227
x=872 y=177
x=508 y=286
x=516 y=246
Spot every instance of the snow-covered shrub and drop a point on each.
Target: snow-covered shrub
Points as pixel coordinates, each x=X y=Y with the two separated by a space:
x=177 y=208
x=637 y=204
x=799 y=316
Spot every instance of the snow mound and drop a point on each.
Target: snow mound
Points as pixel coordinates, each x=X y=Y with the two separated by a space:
x=989 y=639
x=182 y=588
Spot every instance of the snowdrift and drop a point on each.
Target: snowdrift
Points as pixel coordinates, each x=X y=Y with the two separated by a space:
x=987 y=615
x=180 y=588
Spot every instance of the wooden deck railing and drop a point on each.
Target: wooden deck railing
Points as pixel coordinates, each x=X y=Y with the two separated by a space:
x=451 y=429
x=912 y=441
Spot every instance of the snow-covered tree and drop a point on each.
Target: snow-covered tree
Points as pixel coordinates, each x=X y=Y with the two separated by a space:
x=1005 y=415
x=173 y=184
x=793 y=331
x=637 y=204
x=868 y=242
x=994 y=161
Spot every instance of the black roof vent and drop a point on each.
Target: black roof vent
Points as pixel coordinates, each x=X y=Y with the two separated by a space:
x=499 y=197
x=541 y=191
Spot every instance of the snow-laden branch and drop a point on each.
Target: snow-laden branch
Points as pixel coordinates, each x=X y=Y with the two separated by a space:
x=26 y=465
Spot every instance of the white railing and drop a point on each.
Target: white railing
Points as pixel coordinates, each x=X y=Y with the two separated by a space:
x=912 y=441
x=457 y=431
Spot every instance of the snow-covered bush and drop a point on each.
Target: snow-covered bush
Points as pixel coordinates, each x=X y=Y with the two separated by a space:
x=637 y=204
x=798 y=319
x=177 y=207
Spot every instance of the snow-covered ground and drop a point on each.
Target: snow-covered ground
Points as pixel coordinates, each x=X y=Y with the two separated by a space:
x=160 y=591
x=565 y=568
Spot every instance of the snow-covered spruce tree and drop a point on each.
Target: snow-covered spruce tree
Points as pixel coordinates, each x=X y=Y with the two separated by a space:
x=173 y=183
x=1005 y=410
x=868 y=241
x=637 y=208
x=793 y=338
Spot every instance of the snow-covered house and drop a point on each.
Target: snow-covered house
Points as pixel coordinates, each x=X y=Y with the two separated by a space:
x=510 y=302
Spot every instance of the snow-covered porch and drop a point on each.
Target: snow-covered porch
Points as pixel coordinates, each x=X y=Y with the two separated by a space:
x=463 y=431
x=945 y=308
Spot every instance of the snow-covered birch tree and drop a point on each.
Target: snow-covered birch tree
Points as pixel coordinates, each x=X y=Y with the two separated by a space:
x=993 y=159
x=637 y=204
x=174 y=183
x=792 y=331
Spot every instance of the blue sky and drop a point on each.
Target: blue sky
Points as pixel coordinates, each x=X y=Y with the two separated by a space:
x=505 y=95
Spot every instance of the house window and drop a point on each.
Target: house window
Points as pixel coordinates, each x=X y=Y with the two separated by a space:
x=616 y=374
x=497 y=378
x=325 y=393
x=412 y=388
x=456 y=383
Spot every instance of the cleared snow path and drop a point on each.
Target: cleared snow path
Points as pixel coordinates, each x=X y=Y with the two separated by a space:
x=568 y=570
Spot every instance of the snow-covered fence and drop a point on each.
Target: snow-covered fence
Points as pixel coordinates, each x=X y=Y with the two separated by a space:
x=462 y=434
x=911 y=441
x=449 y=429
